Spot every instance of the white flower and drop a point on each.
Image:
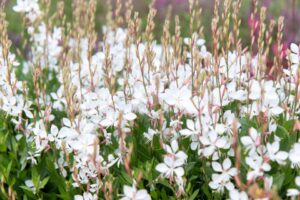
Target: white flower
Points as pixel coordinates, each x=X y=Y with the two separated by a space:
x=219 y=184
x=297 y=181
x=173 y=151
x=258 y=166
x=295 y=60
x=53 y=136
x=274 y=153
x=268 y=182
x=239 y=95
x=86 y=145
x=171 y=166
x=131 y=193
x=130 y=116
x=193 y=128
x=86 y=196
x=218 y=100
x=225 y=169
x=192 y=131
x=150 y=134
x=255 y=90
x=295 y=54
x=294 y=155
x=200 y=42
x=30 y=7
x=59 y=100
x=173 y=161
x=221 y=181
x=30 y=185
x=236 y=195
x=212 y=142
x=26 y=5
x=67 y=133
x=251 y=141
x=32 y=157
x=294 y=192
x=180 y=98
x=187 y=41
x=111 y=117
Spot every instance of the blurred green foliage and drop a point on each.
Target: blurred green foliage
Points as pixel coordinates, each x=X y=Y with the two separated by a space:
x=275 y=9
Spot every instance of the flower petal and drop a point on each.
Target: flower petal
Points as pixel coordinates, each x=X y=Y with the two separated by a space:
x=162 y=168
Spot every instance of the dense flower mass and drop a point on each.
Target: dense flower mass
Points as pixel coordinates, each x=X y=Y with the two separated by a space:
x=127 y=117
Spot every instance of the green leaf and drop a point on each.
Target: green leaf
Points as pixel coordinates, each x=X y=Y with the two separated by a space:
x=164 y=195
x=3 y=138
x=35 y=178
x=206 y=191
x=278 y=180
x=8 y=170
x=44 y=182
x=194 y=195
x=28 y=191
x=282 y=132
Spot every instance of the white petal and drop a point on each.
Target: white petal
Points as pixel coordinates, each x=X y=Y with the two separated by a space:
x=208 y=151
x=185 y=132
x=128 y=191
x=28 y=114
x=190 y=124
x=213 y=185
x=221 y=142
x=181 y=155
x=275 y=146
x=66 y=122
x=212 y=135
x=277 y=110
x=178 y=163
x=294 y=58
x=194 y=145
x=246 y=140
x=169 y=161
x=217 y=167
x=253 y=133
x=220 y=128
x=187 y=41
x=54 y=95
x=232 y=172
x=130 y=116
x=106 y=122
x=281 y=155
x=234 y=195
x=179 y=171
x=294 y=48
x=170 y=100
x=54 y=130
x=78 y=197
x=174 y=146
x=293 y=192
x=162 y=168
x=125 y=198
x=229 y=186
x=226 y=164
x=168 y=149
x=266 y=167
x=142 y=195
x=297 y=180
x=200 y=42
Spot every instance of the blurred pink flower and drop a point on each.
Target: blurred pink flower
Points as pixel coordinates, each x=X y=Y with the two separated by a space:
x=177 y=5
x=282 y=52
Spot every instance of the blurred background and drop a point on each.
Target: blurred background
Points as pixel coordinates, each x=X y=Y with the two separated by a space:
x=290 y=9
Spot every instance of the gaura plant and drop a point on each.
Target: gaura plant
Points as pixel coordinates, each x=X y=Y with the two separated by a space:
x=121 y=115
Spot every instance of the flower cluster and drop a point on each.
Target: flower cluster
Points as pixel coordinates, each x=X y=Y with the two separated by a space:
x=162 y=116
